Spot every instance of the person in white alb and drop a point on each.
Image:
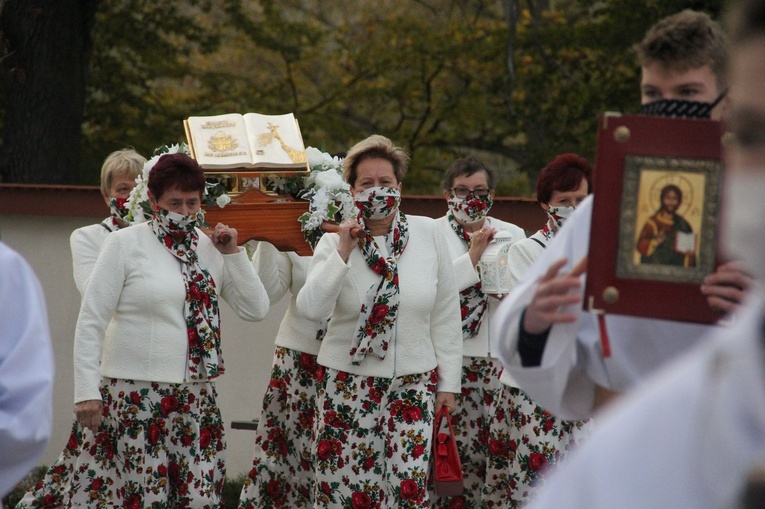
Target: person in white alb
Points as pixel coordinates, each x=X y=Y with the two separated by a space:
x=693 y=436
x=393 y=348
x=26 y=370
x=468 y=187
x=551 y=347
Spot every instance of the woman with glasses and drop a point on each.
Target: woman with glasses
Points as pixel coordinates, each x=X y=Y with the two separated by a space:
x=469 y=192
x=523 y=439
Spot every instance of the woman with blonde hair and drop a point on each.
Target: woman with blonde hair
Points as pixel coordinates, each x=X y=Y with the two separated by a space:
x=393 y=348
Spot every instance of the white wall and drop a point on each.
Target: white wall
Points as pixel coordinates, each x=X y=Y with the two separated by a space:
x=247 y=347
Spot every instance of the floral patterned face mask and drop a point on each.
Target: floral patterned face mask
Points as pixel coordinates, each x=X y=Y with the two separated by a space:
x=175 y=223
x=117 y=207
x=470 y=210
x=378 y=202
x=118 y=212
x=558 y=215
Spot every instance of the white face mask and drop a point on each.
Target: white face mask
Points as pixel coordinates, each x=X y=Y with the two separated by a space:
x=559 y=214
x=742 y=234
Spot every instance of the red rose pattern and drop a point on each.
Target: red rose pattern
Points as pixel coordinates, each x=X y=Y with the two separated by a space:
x=524 y=442
x=285 y=436
x=125 y=463
x=355 y=415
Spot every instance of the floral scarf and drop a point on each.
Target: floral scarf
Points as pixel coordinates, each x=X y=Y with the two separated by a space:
x=178 y=235
x=117 y=219
x=473 y=301
x=380 y=307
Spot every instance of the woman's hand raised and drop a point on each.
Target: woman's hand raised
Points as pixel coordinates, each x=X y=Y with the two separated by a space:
x=224 y=239
x=350 y=232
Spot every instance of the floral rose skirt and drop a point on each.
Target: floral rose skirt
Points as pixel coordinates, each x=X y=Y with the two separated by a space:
x=475 y=405
x=282 y=468
x=524 y=442
x=373 y=441
x=160 y=445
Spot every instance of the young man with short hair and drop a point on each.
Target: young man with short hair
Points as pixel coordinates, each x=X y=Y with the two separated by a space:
x=540 y=333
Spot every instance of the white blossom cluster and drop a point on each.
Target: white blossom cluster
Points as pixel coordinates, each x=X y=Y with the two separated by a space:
x=329 y=195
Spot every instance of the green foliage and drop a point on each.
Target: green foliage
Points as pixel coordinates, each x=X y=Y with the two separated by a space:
x=435 y=76
x=17 y=493
x=232 y=488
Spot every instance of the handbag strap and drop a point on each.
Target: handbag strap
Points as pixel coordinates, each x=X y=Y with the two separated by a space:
x=441 y=415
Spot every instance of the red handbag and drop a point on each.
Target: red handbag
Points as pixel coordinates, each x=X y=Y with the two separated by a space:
x=447 y=467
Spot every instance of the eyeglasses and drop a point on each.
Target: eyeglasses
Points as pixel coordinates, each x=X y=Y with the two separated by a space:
x=463 y=192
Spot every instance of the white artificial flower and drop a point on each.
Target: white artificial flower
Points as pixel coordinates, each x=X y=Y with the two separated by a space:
x=314 y=156
x=330 y=179
x=279 y=183
x=321 y=199
x=223 y=200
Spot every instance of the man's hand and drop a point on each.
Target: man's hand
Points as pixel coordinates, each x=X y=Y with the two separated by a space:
x=726 y=287
x=554 y=290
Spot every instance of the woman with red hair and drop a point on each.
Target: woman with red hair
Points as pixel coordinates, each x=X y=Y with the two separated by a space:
x=524 y=439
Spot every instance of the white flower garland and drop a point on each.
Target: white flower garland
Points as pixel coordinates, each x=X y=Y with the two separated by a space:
x=138 y=205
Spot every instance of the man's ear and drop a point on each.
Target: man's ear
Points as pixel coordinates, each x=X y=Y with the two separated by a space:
x=152 y=201
x=723 y=107
x=545 y=206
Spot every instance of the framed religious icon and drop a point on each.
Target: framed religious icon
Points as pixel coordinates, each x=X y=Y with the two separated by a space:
x=655 y=217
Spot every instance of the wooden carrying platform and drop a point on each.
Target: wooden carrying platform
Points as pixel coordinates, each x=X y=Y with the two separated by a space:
x=260 y=216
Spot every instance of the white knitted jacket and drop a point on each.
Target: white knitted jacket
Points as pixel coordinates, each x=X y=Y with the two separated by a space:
x=132 y=313
x=427 y=330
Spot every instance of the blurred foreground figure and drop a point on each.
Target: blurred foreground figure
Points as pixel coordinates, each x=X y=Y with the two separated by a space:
x=26 y=370
x=694 y=435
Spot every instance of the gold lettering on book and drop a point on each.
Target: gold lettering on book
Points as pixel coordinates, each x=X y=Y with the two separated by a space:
x=217 y=124
x=222 y=142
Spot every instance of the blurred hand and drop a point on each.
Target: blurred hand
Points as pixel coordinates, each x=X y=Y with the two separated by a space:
x=553 y=291
x=448 y=399
x=224 y=239
x=726 y=287
x=88 y=414
x=478 y=243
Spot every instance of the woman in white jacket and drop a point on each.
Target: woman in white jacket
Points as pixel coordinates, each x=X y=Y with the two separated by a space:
x=525 y=440
x=282 y=473
x=118 y=174
x=147 y=350
x=393 y=348
x=468 y=188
